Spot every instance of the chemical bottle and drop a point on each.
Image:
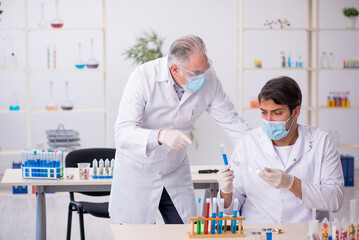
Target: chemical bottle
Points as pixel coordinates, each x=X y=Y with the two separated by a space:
x=100 y=168
x=94 y=166
x=107 y=167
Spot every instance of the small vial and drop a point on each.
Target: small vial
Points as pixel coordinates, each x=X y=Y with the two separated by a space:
x=253 y=236
x=263 y=233
x=100 y=169
x=324 y=61
x=259 y=236
x=95 y=166
x=269 y=234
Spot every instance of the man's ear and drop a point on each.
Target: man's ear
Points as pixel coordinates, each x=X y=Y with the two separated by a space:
x=296 y=112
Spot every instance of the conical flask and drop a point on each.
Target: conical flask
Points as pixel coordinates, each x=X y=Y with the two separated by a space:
x=57 y=22
x=67 y=104
x=92 y=62
x=80 y=64
x=14 y=104
x=43 y=23
x=52 y=105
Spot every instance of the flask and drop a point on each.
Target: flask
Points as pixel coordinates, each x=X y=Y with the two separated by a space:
x=14 y=105
x=57 y=22
x=92 y=62
x=42 y=24
x=67 y=104
x=324 y=62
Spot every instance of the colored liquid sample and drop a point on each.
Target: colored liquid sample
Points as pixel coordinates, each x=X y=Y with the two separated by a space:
x=325 y=231
x=220 y=223
x=225 y=159
x=352 y=232
x=14 y=108
x=213 y=229
x=206 y=215
x=57 y=25
x=234 y=223
x=80 y=66
x=67 y=107
x=92 y=65
x=269 y=235
x=51 y=108
x=199 y=227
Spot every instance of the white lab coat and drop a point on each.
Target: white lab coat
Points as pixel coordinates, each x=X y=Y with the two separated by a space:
x=150 y=102
x=313 y=159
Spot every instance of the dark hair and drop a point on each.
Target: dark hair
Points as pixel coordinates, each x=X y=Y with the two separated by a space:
x=283 y=91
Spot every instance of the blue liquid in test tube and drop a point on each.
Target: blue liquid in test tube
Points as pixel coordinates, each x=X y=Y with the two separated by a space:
x=235 y=213
x=224 y=155
x=220 y=214
x=214 y=212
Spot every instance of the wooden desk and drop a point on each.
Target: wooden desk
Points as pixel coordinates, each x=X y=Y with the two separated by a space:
x=292 y=231
x=12 y=177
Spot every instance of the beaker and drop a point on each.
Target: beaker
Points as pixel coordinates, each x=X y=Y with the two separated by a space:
x=80 y=64
x=67 y=104
x=43 y=23
x=52 y=105
x=57 y=22
x=92 y=62
x=14 y=105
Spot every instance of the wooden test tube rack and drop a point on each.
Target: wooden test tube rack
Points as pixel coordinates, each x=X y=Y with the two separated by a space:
x=224 y=234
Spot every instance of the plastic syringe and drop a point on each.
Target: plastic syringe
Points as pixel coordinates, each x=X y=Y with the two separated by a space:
x=224 y=155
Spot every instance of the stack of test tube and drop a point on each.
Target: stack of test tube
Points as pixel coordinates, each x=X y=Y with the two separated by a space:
x=104 y=169
x=42 y=164
x=351 y=63
x=214 y=225
x=338 y=99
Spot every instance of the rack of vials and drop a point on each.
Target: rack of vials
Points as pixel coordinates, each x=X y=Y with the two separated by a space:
x=216 y=226
x=43 y=164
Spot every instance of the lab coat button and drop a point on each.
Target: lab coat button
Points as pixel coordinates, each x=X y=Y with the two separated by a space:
x=294 y=159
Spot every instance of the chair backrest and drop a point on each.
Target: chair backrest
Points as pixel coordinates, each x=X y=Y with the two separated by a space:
x=88 y=155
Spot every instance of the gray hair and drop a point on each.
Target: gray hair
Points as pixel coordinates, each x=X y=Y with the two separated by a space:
x=183 y=47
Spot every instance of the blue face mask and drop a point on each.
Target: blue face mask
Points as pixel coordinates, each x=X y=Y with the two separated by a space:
x=195 y=83
x=276 y=130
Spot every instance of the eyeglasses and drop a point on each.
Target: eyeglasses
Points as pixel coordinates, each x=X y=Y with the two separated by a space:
x=196 y=73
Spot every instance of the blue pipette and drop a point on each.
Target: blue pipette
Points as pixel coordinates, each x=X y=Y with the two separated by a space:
x=224 y=155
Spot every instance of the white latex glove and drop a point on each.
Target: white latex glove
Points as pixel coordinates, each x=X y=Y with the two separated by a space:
x=225 y=179
x=277 y=178
x=175 y=139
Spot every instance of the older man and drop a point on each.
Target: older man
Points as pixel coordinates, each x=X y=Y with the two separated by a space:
x=161 y=102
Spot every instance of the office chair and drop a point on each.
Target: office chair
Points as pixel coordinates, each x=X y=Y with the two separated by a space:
x=94 y=208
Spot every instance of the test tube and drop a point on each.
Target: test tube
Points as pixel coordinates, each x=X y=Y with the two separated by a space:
x=220 y=214
x=112 y=166
x=94 y=168
x=325 y=229
x=199 y=214
x=269 y=234
x=107 y=167
x=224 y=155
x=206 y=215
x=343 y=230
x=352 y=227
x=235 y=214
x=214 y=213
x=100 y=168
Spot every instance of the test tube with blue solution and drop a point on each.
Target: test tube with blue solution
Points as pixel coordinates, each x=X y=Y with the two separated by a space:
x=214 y=213
x=224 y=155
x=199 y=225
x=235 y=214
x=220 y=214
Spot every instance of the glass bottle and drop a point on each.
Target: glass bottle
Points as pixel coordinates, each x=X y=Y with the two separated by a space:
x=67 y=104
x=14 y=105
x=331 y=60
x=324 y=62
x=80 y=64
x=52 y=105
x=92 y=62
x=43 y=23
x=57 y=22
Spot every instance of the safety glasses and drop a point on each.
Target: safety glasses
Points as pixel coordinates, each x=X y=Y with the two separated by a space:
x=196 y=73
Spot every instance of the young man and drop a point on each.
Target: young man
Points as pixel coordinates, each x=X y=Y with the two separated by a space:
x=282 y=170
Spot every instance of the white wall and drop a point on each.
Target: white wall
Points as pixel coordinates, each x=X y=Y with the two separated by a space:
x=213 y=20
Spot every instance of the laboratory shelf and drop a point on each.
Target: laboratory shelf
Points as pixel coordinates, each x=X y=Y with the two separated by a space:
x=348 y=146
x=276 y=69
x=11 y=151
x=277 y=29
x=339 y=29
x=66 y=29
x=339 y=108
x=338 y=69
x=4 y=111
x=69 y=111
x=67 y=70
x=12 y=29
x=13 y=70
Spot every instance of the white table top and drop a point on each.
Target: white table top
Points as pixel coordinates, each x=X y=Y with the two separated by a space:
x=13 y=177
x=292 y=231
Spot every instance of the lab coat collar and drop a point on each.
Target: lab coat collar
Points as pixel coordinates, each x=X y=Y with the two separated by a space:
x=302 y=145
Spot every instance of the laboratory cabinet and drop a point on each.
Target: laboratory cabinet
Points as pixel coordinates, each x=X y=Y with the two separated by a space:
x=304 y=32
x=46 y=74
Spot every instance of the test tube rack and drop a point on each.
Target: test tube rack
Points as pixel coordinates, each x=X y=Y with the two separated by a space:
x=42 y=172
x=224 y=234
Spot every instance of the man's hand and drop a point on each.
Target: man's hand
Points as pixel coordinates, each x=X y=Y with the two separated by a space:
x=175 y=139
x=277 y=178
x=225 y=179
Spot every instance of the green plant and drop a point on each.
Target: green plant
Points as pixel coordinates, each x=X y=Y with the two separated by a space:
x=350 y=12
x=1 y=11
x=147 y=47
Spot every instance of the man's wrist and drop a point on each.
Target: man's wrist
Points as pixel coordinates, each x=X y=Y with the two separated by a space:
x=161 y=136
